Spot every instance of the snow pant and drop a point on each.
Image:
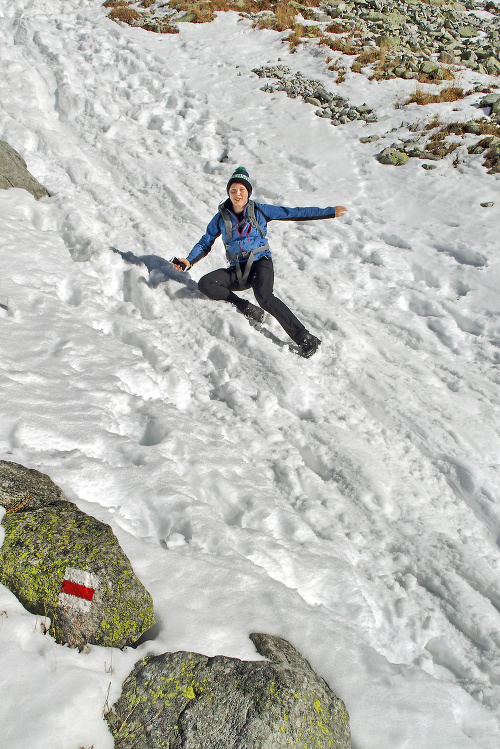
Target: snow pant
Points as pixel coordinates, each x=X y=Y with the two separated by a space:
x=221 y=284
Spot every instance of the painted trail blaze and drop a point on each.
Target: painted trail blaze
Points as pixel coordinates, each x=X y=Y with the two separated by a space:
x=77 y=589
x=80 y=591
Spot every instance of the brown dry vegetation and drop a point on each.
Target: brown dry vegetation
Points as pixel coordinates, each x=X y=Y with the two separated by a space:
x=294 y=38
x=447 y=94
x=438 y=144
x=285 y=15
x=336 y=28
x=348 y=45
x=443 y=74
x=202 y=11
x=368 y=58
x=459 y=128
x=340 y=69
x=124 y=14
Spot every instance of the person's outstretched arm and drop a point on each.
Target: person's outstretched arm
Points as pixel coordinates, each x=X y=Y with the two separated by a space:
x=310 y=213
x=202 y=247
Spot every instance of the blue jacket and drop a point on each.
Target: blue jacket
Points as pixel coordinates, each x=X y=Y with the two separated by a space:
x=248 y=237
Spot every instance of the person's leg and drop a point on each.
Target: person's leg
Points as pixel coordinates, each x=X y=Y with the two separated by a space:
x=219 y=284
x=262 y=280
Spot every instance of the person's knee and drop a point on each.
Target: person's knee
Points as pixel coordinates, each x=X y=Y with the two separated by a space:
x=205 y=284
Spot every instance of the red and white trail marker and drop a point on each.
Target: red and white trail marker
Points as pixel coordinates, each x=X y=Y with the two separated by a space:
x=77 y=589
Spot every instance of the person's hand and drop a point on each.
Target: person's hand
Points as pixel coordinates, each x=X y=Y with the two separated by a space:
x=181 y=263
x=340 y=210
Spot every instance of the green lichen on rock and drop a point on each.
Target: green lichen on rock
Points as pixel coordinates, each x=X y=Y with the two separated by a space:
x=45 y=536
x=14 y=172
x=188 y=701
x=393 y=157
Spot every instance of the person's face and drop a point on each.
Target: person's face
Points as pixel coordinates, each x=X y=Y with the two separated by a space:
x=238 y=194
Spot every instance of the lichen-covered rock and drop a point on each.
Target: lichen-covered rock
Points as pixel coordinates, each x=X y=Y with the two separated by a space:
x=190 y=701
x=393 y=157
x=68 y=566
x=14 y=172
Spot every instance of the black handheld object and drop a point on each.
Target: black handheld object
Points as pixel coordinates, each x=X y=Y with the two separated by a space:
x=176 y=261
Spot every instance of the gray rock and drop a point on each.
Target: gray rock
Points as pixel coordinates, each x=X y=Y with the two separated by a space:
x=189 y=701
x=447 y=57
x=489 y=204
x=475 y=149
x=26 y=489
x=14 y=172
x=392 y=156
x=417 y=153
x=429 y=67
x=312 y=100
x=323 y=95
x=469 y=58
x=467 y=32
x=472 y=127
x=68 y=566
x=492 y=66
x=429 y=167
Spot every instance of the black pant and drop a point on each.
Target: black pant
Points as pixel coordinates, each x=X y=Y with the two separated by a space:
x=220 y=284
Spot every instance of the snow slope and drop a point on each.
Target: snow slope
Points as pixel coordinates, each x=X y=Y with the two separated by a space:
x=349 y=503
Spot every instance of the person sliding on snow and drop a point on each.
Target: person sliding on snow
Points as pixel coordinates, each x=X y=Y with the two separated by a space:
x=243 y=226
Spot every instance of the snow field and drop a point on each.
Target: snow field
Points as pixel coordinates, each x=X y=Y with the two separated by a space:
x=348 y=503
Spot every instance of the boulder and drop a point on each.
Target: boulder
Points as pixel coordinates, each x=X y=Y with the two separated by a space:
x=429 y=67
x=467 y=32
x=68 y=566
x=447 y=57
x=490 y=100
x=492 y=65
x=14 y=172
x=392 y=156
x=188 y=701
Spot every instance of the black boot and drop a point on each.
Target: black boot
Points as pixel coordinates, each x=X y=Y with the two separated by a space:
x=252 y=312
x=308 y=345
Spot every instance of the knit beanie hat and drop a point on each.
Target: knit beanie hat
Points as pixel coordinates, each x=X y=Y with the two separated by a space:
x=240 y=175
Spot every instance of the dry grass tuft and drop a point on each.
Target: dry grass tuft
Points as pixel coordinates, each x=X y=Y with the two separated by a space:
x=443 y=74
x=124 y=14
x=336 y=28
x=284 y=15
x=348 y=45
x=368 y=58
x=295 y=37
x=336 y=44
x=115 y=3
x=447 y=94
x=340 y=69
x=201 y=11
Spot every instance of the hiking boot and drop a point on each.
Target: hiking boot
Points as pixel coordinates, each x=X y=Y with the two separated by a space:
x=252 y=312
x=308 y=345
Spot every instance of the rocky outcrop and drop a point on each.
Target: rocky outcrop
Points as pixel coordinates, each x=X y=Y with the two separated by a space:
x=14 y=172
x=435 y=143
x=332 y=106
x=67 y=566
x=190 y=701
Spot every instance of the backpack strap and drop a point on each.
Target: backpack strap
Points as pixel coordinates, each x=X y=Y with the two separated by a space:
x=228 y=225
x=252 y=219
